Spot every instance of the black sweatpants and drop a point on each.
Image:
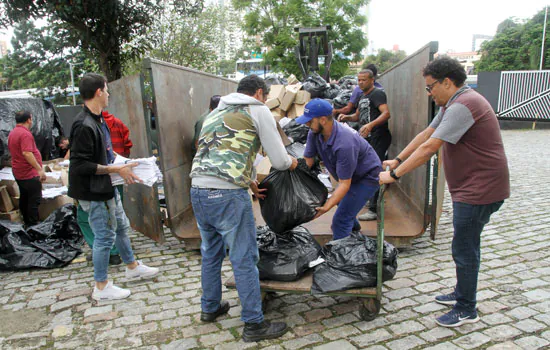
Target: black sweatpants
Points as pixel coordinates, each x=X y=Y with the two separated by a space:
x=29 y=200
x=380 y=140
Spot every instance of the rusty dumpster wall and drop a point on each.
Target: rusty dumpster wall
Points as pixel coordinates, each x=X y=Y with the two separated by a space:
x=140 y=202
x=181 y=95
x=411 y=112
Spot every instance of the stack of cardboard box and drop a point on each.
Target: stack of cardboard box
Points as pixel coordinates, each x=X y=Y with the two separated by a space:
x=9 y=201
x=287 y=101
x=56 y=176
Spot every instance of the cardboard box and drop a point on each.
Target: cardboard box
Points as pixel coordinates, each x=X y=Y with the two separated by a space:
x=65 y=177
x=272 y=103
x=262 y=169
x=13 y=216
x=302 y=97
x=6 y=205
x=15 y=201
x=292 y=79
x=290 y=94
x=296 y=111
x=47 y=206
x=276 y=91
x=11 y=186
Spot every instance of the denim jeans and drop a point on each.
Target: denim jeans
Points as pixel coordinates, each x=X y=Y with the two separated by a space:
x=109 y=225
x=468 y=222
x=348 y=208
x=225 y=218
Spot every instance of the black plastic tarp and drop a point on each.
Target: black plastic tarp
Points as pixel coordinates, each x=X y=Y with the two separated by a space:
x=46 y=127
x=351 y=263
x=55 y=242
x=292 y=196
x=286 y=256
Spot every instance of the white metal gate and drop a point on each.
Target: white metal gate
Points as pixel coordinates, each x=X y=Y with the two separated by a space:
x=524 y=95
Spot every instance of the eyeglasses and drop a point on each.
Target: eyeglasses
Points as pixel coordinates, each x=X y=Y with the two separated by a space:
x=429 y=87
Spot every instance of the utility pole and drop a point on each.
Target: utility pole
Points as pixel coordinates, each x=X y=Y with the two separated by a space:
x=543 y=38
x=72 y=78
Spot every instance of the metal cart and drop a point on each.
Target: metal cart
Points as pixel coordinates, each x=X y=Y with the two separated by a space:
x=372 y=297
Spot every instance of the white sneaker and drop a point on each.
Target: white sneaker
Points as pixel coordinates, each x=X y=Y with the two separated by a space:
x=368 y=216
x=110 y=292
x=141 y=271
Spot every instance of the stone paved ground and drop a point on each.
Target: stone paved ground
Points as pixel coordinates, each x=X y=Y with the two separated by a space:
x=53 y=308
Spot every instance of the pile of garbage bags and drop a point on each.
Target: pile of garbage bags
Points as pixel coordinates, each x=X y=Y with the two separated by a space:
x=292 y=197
x=351 y=263
x=298 y=132
x=286 y=256
x=55 y=242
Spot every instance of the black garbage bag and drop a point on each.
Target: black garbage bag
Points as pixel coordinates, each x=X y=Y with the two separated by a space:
x=347 y=82
x=286 y=256
x=332 y=92
x=292 y=197
x=351 y=263
x=298 y=132
x=315 y=85
x=55 y=242
x=342 y=99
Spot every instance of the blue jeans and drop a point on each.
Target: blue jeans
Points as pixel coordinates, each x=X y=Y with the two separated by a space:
x=225 y=218
x=348 y=208
x=468 y=222
x=109 y=225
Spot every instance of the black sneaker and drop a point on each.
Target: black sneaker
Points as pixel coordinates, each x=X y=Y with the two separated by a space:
x=115 y=260
x=446 y=299
x=265 y=330
x=455 y=318
x=211 y=316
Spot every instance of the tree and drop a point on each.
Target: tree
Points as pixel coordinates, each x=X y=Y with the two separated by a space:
x=196 y=41
x=384 y=59
x=40 y=60
x=110 y=31
x=274 y=22
x=516 y=46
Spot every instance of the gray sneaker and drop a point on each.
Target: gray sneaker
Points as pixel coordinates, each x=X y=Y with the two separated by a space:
x=368 y=216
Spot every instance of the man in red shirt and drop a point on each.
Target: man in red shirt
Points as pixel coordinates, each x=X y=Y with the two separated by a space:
x=120 y=135
x=26 y=167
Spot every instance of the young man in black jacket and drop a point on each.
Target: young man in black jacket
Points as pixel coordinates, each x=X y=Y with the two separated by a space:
x=90 y=184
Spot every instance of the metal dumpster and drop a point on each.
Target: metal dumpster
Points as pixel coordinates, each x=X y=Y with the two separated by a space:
x=177 y=96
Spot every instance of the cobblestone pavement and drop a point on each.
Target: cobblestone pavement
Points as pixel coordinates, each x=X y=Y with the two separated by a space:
x=53 y=308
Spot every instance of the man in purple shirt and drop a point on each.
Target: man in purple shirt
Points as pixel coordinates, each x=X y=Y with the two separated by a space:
x=348 y=157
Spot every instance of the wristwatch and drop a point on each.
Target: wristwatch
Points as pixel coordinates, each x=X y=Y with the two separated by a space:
x=392 y=174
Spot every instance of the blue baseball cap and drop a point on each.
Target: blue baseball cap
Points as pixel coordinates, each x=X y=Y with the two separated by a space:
x=315 y=108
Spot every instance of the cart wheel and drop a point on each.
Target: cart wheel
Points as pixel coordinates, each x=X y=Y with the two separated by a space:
x=370 y=309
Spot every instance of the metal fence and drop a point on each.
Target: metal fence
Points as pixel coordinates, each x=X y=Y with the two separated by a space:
x=524 y=95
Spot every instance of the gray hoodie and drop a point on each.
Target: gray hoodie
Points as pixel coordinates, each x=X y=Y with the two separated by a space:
x=267 y=132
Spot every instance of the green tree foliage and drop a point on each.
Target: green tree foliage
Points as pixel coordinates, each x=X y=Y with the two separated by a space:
x=273 y=22
x=108 y=31
x=384 y=59
x=194 y=40
x=40 y=60
x=517 y=46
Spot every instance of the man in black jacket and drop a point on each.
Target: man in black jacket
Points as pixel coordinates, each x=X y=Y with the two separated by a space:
x=90 y=184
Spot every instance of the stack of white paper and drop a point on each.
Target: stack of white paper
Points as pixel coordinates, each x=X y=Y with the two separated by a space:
x=6 y=174
x=147 y=170
x=54 y=192
x=66 y=162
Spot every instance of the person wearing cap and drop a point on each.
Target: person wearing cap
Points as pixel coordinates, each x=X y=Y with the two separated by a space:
x=349 y=159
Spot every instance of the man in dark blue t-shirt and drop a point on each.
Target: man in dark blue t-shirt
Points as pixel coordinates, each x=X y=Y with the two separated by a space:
x=348 y=158
x=372 y=115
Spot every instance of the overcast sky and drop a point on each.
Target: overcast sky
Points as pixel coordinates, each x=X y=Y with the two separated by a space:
x=413 y=23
